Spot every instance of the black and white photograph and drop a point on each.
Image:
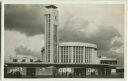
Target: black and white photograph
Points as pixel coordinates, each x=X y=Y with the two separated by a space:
x=64 y=40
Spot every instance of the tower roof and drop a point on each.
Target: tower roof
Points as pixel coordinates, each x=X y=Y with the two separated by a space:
x=51 y=6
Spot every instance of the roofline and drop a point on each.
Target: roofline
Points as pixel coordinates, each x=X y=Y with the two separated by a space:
x=36 y=64
x=78 y=44
x=51 y=6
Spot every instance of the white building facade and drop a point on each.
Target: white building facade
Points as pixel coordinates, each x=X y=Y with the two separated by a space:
x=23 y=59
x=51 y=38
x=77 y=52
x=106 y=60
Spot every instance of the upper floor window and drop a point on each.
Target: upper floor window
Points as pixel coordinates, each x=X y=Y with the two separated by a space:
x=15 y=60
x=31 y=60
x=23 y=60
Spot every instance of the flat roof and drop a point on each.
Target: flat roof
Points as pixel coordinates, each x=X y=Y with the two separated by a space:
x=108 y=59
x=77 y=44
x=51 y=6
x=55 y=65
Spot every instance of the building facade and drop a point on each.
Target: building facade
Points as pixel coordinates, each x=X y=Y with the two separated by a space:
x=77 y=52
x=105 y=60
x=51 y=40
x=23 y=59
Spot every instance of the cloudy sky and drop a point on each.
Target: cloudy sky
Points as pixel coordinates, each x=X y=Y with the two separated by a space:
x=101 y=24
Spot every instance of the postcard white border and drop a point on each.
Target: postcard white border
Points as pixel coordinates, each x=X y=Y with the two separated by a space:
x=64 y=2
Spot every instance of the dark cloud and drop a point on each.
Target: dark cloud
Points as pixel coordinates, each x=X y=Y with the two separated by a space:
x=22 y=50
x=107 y=53
x=27 y=19
x=101 y=37
x=117 y=43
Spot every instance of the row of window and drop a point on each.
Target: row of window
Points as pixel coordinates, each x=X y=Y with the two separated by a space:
x=108 y=62
x=48 y=34
x=78 y=52
x=23 y=60
x=55 y=42
x=77 y=55
x=88 y=55
x=48 y=20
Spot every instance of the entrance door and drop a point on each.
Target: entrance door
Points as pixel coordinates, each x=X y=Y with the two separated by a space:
x=31 y=72
x=79 y=72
